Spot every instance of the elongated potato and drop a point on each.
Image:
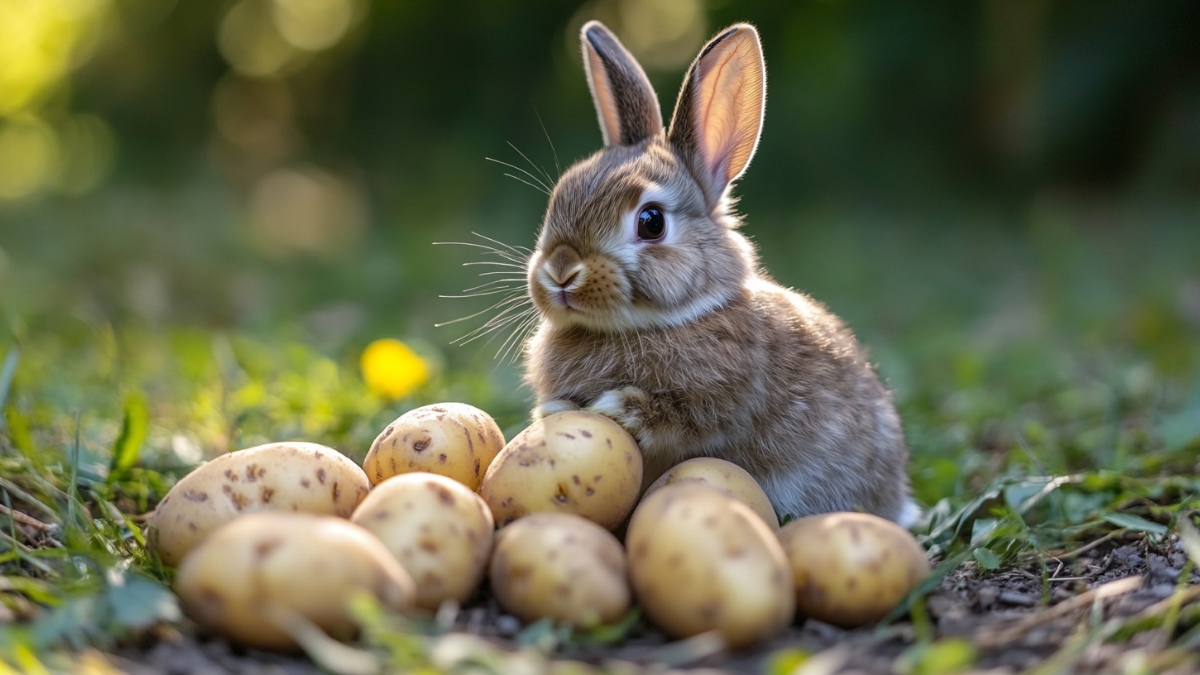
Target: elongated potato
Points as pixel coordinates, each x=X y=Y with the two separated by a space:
x=251 y=577
x=289 y=476
x=850 y=569
x=700 y=560
x=439 y=530
x=570 y=462
x=725 y=476
x=449 y=439
x=560 y=566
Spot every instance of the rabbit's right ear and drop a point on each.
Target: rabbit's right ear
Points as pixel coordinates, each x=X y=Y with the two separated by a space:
x=719 y=114
x=625 y=102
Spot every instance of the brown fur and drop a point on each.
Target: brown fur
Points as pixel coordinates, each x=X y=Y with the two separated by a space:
x=687 y=342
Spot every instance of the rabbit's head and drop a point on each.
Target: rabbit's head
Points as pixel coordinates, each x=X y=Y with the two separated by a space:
x=641 y=234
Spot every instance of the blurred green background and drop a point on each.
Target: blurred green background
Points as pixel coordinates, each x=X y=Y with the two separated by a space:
x=1002 y=197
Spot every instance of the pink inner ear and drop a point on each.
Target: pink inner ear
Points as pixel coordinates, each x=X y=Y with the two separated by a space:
x=730 y=105
x=610 y=120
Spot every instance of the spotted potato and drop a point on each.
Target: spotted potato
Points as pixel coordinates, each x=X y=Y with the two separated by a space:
x=450 y=439
x=570 y=462
x=562 y=567
x=288 y=476
x=437 y=528
x=850 y=569
x=725 y=476
x=252 y=578
x=699 y=561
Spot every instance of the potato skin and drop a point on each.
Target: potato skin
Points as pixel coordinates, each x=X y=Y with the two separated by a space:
x=700 y=560
x=850 y=569
x=308 y=564
x=288 y=476
x=560 y=566
x=725 y=476
x=437 y=528
x=450 y=439
x=570 y=462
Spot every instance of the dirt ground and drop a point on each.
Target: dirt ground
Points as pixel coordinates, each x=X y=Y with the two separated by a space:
x=1002 y=614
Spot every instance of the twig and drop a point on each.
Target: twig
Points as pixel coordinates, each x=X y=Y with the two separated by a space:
x=25 y=519
x=1102 y=592
x=1089 y=546
x=28 y=499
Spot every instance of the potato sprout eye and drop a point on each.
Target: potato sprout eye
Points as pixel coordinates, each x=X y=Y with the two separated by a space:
x=652 y=224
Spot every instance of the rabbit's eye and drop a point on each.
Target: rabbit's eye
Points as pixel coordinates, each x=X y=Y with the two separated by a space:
x=652 y=224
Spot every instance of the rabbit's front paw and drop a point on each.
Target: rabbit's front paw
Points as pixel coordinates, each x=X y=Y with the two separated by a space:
x=556 y=405
x=623 y=405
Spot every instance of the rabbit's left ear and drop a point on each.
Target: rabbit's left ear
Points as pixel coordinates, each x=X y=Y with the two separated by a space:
x=625 y=102
x=719 y=114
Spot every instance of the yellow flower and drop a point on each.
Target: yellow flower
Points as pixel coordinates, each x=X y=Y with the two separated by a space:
x=391 y=369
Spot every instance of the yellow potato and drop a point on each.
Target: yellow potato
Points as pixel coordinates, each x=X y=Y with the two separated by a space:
x=560 y=566
x=571 y=462
x=727 y=477
x=250 y=578
x=292 y=476
x=439 y=530
x=449 y=439
x=850 y=569
x=700 y=560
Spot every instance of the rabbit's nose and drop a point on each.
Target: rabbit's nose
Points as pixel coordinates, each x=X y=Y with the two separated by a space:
x=563 y=266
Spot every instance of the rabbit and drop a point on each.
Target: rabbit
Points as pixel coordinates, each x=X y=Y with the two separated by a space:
x=654 y=311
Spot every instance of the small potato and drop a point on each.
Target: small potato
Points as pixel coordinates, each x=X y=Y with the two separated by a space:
x=570 y=462
x=439 y=530
x=850 y=569
x=700 y=560
x=292 y=476
x=727 y=477
x=250 y=577
x=449 y=439
x=560 y=566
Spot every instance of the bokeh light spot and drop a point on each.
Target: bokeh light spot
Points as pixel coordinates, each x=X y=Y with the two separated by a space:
x=29 y=157
x=306 y=210
x=250 y=42
x=314 y=25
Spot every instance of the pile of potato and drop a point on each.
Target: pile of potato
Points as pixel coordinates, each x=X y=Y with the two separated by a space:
x=271 y=538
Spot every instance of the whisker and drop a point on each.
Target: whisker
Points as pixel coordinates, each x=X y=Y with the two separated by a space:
x=557 y=166
x=538 y=183
x=517 y=257
x=493 y=282
x=501 y=303
x=493 y=262
x=519 y=250
x=535 y=166
x=502 y=319
x=480 y=294
x=517 y=337
x=541 y=190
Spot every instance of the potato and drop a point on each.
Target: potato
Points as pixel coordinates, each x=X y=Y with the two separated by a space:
x=290 y=476
x=449 y=439
x=439 y=530
x=850 y=569
x=700 y=560
x=560 y=566
x=248 y=578
x=727 y=477
x=570 y=462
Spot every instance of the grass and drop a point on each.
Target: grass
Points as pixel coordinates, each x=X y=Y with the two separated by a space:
x=1049 y=380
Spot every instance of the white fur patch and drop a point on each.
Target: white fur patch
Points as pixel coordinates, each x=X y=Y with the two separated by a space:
x=557 y=405
x=908 y=514
x=612 y=404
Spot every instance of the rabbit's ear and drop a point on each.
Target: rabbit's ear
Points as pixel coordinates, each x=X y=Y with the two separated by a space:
x=625 y=101
x=719 y=114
